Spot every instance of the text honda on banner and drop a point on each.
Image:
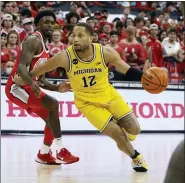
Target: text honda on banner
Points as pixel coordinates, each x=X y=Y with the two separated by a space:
x=164 y=111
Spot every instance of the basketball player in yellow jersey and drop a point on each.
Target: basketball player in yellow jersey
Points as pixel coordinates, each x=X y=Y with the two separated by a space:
x=94 y=97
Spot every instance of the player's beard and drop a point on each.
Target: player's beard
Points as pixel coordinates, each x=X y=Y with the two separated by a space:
x=81 y=48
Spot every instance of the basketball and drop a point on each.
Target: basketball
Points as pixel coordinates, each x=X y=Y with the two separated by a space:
x=155 y=80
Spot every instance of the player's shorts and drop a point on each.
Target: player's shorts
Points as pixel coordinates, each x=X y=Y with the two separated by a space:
x=25 y=98
x=100 y=115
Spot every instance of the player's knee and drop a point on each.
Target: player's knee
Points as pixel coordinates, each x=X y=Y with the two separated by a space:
x=54 y=105
x=50 y=103
x=136 y=130
x=130 y=124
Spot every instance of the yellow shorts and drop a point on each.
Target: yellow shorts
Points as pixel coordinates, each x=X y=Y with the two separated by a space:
x=100 y=115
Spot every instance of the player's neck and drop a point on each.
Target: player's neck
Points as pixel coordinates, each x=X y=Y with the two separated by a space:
x=86 y=54
x=45 y=39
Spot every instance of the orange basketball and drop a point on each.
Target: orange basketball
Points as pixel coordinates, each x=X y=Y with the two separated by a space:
x=155 y=80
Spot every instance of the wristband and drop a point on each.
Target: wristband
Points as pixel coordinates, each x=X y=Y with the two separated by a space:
x=134 y=74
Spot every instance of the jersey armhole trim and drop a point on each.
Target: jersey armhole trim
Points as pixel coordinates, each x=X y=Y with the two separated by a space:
x=69 y=59
x=102 y=55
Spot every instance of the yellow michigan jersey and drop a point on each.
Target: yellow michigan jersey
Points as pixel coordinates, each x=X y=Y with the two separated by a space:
x=94 y=97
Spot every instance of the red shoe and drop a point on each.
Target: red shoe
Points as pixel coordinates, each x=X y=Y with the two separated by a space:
x=46 y=159
x=65 y=157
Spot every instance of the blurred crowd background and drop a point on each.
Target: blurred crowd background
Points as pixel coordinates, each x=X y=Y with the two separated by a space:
x=145 y=34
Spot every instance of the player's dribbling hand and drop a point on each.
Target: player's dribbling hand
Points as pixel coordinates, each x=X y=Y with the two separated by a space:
x=64 y=87
x=36 y=89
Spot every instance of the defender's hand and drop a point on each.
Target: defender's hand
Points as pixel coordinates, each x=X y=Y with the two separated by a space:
x=36 y=89
x=18 y=80
x=64 y=87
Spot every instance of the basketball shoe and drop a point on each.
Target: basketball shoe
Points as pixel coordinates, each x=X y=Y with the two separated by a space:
x=47 y=159
x=129 y=136
x=139 y=164
x=65 y=157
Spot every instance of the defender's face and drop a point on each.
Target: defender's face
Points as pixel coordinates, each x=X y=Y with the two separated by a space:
x=46 y=25
x=81 y=38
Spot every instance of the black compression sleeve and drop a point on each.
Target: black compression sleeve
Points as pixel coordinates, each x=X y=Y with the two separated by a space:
x=134 y=74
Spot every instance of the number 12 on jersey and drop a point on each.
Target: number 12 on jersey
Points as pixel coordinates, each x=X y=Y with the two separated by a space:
x=89 y=81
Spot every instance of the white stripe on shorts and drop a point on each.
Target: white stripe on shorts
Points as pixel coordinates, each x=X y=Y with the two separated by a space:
x=19 y=93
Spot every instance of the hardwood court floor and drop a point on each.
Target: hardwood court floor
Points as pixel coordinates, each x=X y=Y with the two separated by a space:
x=100 y=161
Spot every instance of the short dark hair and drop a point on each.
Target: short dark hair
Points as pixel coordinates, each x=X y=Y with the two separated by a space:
x=70 y=15
x=172 y=30
x=105 y=11
x=40 y=5
x=88 y=28
x=138 y=19
x=90 y=18
x=68 y=27
x=42 y=14
x=113 y=33
x=116 y=19
x=160 y=13
x=120 y=24
x=26 y=12
x=3 y=34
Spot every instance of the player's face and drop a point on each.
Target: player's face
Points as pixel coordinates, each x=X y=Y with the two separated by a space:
x=81 y=38
x=46 y=25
